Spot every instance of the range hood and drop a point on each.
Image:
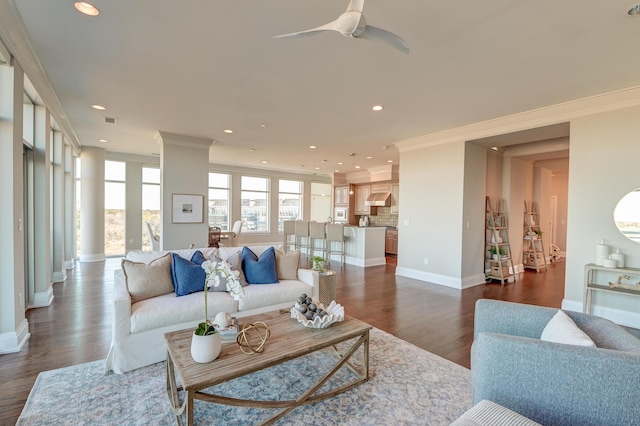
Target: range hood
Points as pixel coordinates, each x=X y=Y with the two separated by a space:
x=378 y=199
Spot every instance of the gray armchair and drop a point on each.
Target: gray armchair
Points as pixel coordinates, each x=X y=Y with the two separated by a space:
x=553 y=383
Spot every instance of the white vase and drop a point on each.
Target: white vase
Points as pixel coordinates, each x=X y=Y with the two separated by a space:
x=205 y=348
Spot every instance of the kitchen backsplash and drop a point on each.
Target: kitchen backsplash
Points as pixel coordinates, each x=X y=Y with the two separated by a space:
x=384 y=218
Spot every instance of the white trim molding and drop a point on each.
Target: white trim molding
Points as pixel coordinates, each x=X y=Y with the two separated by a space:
x=92 y=257
x=42 y=299
x=14 y=341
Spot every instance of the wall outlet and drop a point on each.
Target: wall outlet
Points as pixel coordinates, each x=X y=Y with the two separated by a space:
x=426 y=260
x=406 y=222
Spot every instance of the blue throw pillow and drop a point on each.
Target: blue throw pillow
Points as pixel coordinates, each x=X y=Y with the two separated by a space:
x=260 y=271
x=188 y=277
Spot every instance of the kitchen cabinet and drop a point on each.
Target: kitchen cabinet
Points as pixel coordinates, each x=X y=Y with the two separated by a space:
x=362 y=193
x=395 y=194
x=342 y=196
x=391 y=242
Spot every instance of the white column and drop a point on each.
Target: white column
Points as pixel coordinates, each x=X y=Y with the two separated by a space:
x=92 y=205
x=57 y=210
x=42 y=207
x=184 y=169
x=14 y=327
x=69 y=208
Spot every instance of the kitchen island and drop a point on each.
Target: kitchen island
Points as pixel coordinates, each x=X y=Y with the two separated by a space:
x=364 y=246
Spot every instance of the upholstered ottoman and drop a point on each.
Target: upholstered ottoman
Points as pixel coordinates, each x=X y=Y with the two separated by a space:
x=487 y=413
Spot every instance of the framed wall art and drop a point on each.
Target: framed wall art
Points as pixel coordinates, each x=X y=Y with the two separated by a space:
x=187 y=208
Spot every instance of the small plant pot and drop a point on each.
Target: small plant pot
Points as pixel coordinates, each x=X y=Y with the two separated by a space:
x=205 y=348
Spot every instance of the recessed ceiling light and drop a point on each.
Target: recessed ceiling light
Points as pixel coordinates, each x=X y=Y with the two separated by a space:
x=634 y=11
x=228 y=131
x=389 y=161
x=357 y=167
x=263 y=125
x=302 y=166
x=317 y=168
x=252 y=149
x=312 y=147
x=264 y=162
x=86 y=8
x=98 y=107
x=369 y=158
x=337 y=171
x=377 y=108
x=102 y=140
x=340 y=164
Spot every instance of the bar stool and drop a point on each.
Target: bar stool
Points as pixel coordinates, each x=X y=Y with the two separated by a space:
x=289 y=230
x=317 y=234
x=302 y=235
x=335 y=237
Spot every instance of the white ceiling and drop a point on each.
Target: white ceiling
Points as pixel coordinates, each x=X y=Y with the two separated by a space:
x=198 y=67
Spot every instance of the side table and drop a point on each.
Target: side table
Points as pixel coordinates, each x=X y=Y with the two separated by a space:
x=327 y=288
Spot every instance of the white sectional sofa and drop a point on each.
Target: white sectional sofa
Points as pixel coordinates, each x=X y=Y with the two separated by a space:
x=138 y=327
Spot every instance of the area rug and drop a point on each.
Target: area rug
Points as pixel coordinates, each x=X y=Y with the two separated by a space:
x=407 y=386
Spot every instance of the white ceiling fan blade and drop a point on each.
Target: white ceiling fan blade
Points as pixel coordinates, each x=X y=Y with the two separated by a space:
x=375 y=33
x=356 y=5
x=327 y=27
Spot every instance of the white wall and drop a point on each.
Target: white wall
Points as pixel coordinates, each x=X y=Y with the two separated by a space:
x=429 y=222
x=473 y=221
x=560 y=189
x=603 y=167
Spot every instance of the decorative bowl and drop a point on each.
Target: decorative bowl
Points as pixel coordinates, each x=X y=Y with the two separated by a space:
x=335 y=313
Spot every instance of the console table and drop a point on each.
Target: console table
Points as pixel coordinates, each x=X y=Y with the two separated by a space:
x=594 y=283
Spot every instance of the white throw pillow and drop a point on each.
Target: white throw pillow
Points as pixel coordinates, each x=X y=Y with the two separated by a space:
x=562 y=329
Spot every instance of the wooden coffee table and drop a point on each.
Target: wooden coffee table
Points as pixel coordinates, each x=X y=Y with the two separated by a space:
x=289 y=339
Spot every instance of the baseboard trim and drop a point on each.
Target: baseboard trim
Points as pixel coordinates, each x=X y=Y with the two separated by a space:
x=92 y=257
x=625 y=318
x=365 y=262
x=14 y=341
x=69 y=264
x=42 y=299
x=430 y=277
x=473 y=280
x=60 y=276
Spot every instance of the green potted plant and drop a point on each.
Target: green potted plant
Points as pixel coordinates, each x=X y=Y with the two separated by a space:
x=319 y=263
x=538 y=232
x=494 y=252
x=206 y=343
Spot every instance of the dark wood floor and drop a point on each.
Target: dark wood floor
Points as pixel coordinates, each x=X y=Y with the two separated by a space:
x=76 y=328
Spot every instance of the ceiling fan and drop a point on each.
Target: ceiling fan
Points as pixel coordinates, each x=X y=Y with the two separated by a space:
x=352 y=24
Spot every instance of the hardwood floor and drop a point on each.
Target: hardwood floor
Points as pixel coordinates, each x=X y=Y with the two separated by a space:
x=76 y=328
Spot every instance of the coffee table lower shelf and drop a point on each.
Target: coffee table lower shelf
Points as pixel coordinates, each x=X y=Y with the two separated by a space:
x=288 y=340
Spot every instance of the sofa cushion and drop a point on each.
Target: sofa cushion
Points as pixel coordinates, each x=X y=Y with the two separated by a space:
x=188 y=276
x=168 y=310
x=287 y=265
x=286 y=291
x=147 y=281
x=562 y=329
x=235 y=260
x=260 y=270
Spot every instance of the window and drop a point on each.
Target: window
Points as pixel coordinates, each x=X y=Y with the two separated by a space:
x=219 y=200
x=150 y=203
x=114 y=206
x=255 y=205
x=290 y=201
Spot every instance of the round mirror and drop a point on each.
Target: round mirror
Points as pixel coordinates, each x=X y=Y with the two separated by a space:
x=627 y=215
